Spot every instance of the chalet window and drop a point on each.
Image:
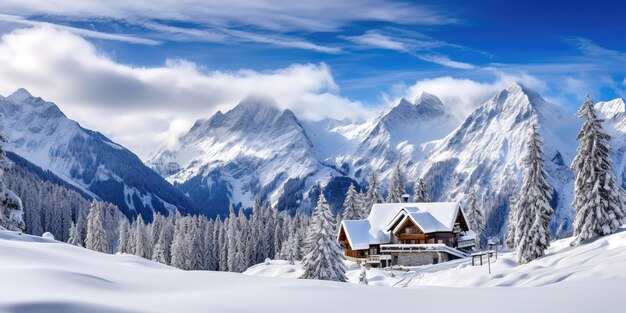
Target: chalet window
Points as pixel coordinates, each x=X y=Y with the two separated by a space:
x=440 y=241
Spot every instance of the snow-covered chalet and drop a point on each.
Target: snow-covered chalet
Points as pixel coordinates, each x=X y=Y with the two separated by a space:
x=408 y=234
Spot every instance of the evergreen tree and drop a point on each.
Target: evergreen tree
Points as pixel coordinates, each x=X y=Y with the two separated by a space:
x=419 y=192
x=11 y=209
x=141 y=239
x=97 y=238
x=533 y=212
x=75 y=237
x=351 y=207
x=371 y=197
x=223 y=246
x=396 y=187
x=161 y=251
x=124 y=230
x=597 y=200
x=291 y=249
x=509 y=237
x=194 y=246
x=363 y=276
x=324 y=259
x=178 y=249
x=232 y=231
x=475 y=216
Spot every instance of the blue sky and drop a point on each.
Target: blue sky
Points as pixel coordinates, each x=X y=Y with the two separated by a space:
x=321 y=59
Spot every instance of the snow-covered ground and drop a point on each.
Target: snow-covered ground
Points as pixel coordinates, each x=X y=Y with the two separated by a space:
x=42 y=275
x=603 y=259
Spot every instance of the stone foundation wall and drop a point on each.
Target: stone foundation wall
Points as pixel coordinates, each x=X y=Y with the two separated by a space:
x=419 y=258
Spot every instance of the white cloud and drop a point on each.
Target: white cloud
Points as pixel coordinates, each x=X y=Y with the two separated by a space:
x=144 y=106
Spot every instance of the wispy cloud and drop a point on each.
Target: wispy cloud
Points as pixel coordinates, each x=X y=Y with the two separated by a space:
x=589 y=47
x=413 y=43
x=79 y=31
x=279 y=15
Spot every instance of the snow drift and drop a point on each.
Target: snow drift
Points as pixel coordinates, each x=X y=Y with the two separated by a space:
x=45 y=275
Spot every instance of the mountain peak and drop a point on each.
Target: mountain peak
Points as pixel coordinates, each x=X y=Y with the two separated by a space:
x=517 y=86
x=429 y=104
x=256 y=102
x=612 y=108
x=20 y=95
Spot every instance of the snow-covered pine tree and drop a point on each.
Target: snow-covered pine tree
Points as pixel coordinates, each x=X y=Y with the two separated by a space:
x=75 y=237
x=291 y=249
x=194 y=245
x=475 y=216
x=509 y=237
x=324 y=260
x=122 y=241
x=97 y=238
x=396 y=187
x=419 y=192
x=232 y=231
x=179 y=241
x=239 y=261
x=11 y=209
x=363 y=276
x=161 y=251
x=217 y=244
x=141 y=238
x=533 y=212
x=597 y=200
x=371 y=196
x=351 y=207
x=223 y=246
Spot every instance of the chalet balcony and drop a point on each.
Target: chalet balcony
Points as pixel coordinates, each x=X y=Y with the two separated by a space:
x=411 y=248
x=377 y=258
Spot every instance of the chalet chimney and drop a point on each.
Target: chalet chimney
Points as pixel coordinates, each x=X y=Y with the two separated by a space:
x=405 y=198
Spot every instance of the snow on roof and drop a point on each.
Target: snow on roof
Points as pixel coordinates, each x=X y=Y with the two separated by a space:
x=429 y=216
x=358 y=233
x=427 y=222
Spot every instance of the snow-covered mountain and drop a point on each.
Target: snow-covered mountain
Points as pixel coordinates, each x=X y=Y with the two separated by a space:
x=40 y=133
x=614 y=114
x=486 y=152
x=252 y=149
x=403 y=131
x=256 y=148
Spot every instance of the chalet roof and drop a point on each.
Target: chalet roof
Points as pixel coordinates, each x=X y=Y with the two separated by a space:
x=376 y=228
x=358 y=233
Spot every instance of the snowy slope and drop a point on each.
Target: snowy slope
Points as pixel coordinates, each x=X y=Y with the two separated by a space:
x=486 y=152
x=603 y=259
x=252 y=149
x=40 y=133
x=614 y=114
x=40 y=275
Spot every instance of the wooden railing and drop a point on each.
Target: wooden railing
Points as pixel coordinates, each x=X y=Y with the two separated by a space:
x=422 y=247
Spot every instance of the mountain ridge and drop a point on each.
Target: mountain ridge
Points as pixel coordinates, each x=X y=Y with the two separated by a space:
x=41 y=133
